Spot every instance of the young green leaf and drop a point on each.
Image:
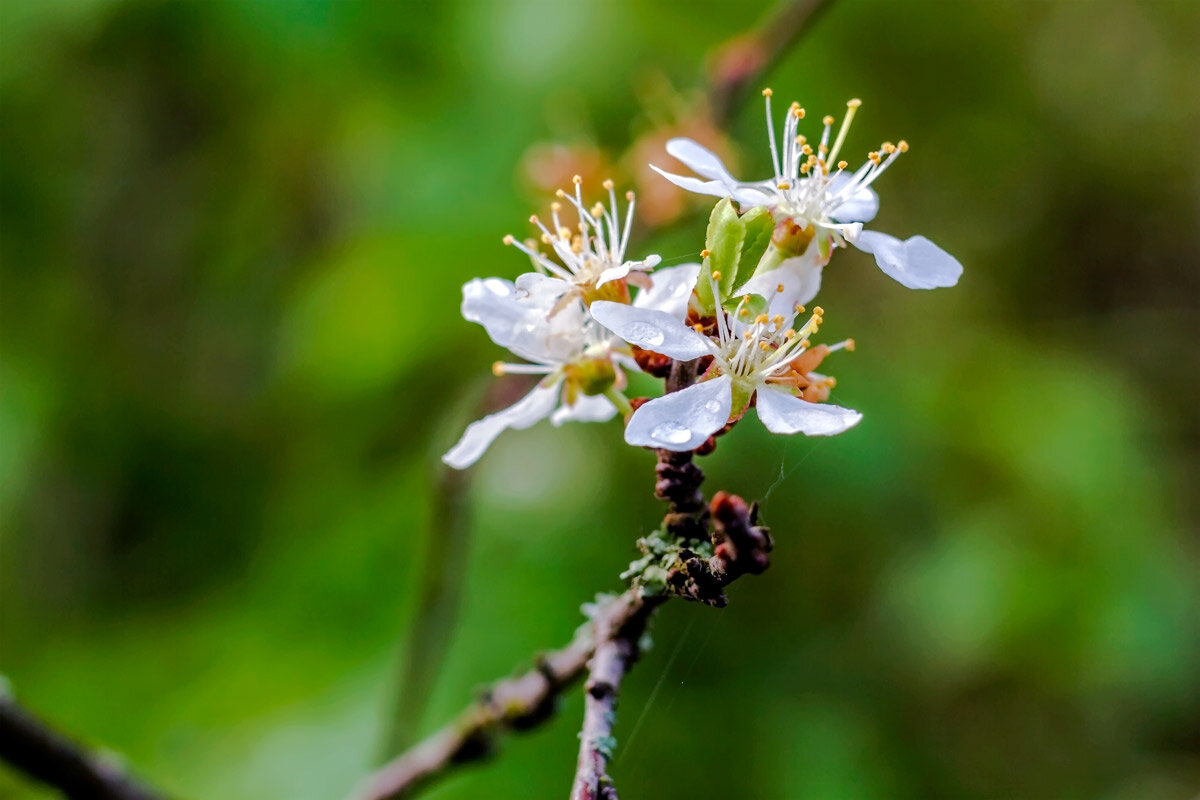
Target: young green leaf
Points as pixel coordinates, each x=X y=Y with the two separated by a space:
x=759 y=226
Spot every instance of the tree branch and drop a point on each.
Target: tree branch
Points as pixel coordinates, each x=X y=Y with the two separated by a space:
x=517 y=703
x=741 y=62
x=615 y=654
x=45 y=755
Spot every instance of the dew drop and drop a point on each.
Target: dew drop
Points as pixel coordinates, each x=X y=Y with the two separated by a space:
x=645 y=334
x=712 y=406
x=670 y=433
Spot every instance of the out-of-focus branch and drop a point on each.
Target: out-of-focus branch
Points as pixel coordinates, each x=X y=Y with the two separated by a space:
x=740 y=63
x=32 y=747
x=437 y=604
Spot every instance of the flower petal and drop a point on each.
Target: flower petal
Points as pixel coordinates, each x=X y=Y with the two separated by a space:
x=782 y=412
x=763 y=193
x=586 y=409
x=712 y=188
x=651 y=329
x=682 y=420
x=702 y=161
x=800 y=278
x=516 y=317
x=860 y=206
x=670 y=290
x=527 y=411
x=915 y=262
x=612 y=274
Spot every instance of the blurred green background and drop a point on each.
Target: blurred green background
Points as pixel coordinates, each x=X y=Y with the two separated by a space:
x=232 y=237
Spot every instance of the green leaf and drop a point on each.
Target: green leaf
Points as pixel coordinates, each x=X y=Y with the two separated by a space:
x=724 y=239
x=759 y=225
x=752 y=304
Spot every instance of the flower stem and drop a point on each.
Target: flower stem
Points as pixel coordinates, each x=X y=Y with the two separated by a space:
x=620 y=401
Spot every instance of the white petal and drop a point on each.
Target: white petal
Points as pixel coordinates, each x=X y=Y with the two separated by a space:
x=527 y=411
x=612 y=274
x=586 y=409
x=915 y=262
x=651 y=329
x=670 y=289
x=541 y=291
x=860 y=206
x=492 y=303
x=712 y=188
x=682 y=420
x=782 y=412
x=800 y=278
x=702 y=161
x=755 y=194
x=518 y=320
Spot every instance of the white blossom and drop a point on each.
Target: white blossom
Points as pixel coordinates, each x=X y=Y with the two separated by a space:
x=765 y=361
x=582 y=363
x=823 y=205
x=591 y=256
x=574 y=354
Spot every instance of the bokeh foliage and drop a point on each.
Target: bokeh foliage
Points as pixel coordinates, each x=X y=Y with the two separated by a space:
x=231 y=240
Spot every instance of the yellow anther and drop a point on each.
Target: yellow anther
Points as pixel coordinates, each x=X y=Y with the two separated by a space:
x=777 y=319
x=508 y=239
x=779 y=288
x=798 y=112
x=698 y=328
x=799 y=308
x=704 y=253
x=828 y=120
x=850 y=345
x=789 y=334
x=597 y=210
x=807 y=150
x=785 y=186
x=853 y=103
x=547 y=238
x=556 y=206
x=767 y=92
x=761 y=319
x=533 y=219
x=844 y=164
x=902 y=146
x=629 y=195
x=716 y=273
x=560 y=193
x=874 y=157
x=744 y=312
x=818 y=311
x=498 y=368
x=822 y=149
x=577 y=179
x=888 y=148
x=608 y=184
x=764 y=346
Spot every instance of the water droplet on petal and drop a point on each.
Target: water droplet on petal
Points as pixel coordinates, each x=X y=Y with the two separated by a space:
x=670 y=433
x=644 y=334
x=712 y=406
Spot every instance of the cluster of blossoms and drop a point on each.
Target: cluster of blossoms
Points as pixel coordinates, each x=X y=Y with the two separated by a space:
x=586 y=315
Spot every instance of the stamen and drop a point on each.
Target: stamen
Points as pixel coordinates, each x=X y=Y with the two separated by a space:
x=851 y=108
x=771 y=132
